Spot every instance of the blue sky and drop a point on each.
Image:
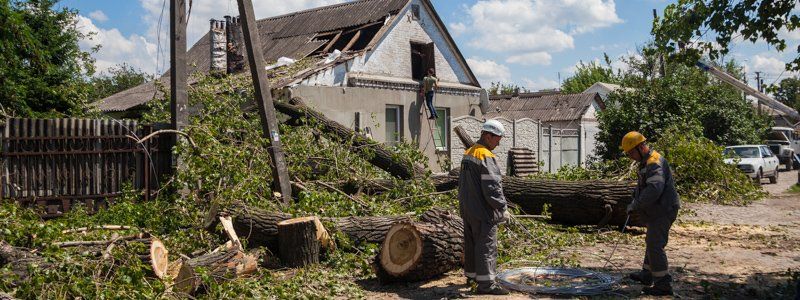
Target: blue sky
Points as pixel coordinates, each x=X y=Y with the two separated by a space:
x=527 y=42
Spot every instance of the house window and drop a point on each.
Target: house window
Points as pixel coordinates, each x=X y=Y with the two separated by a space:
x=422 y=59
x=442 y=132
x=415 y=11
x=394 y=126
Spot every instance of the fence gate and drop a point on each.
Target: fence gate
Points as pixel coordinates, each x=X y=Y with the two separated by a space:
x=56 y=163
x=560 y=147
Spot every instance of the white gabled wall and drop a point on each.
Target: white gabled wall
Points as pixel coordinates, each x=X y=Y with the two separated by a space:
x=392 y=54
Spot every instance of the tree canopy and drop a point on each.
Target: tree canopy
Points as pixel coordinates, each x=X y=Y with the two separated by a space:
x=43 y=71
x=787 y=91
x=115 y=80
x=588 y=74
x=683 y=98
x=685 y=25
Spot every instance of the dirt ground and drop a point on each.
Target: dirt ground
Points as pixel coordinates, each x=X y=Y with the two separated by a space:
x=715 y=252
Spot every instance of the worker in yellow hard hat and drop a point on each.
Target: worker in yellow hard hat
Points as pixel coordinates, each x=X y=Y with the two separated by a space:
x=656 y=203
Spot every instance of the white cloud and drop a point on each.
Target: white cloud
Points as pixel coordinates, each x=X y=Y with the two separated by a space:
x=518 y=27
x=116 y=48
x=457 y=28
x=529 y=59
x=767 y=64
x=98 y=16
x=488 y=71
x=204 y=10
x=540 y=83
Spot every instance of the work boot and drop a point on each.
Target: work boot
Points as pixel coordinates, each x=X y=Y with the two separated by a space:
x=493 y=289
x=662 y=286
x=643 y=277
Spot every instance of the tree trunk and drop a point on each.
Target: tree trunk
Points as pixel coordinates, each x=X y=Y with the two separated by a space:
x=418 y=251
x=366 y=229
x=298 y=243
x=573 y=202
x=377 y=154
x=223 y=265
x=156 y=257
x=20 y=260
x=258 y=226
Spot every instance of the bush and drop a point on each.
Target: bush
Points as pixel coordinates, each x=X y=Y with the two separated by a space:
x=700 y=173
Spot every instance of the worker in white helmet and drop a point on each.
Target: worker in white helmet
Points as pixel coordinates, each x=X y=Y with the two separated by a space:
x=483 y=207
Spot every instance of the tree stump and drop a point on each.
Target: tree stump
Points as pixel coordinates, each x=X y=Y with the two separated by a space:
x=418 y=251
x=297 y=241
x=156 y=257
x=227 y=264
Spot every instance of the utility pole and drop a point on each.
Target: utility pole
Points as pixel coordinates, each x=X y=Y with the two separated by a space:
x=758 y=82
x=758 y=87
x=263 y=98
x=179 y=99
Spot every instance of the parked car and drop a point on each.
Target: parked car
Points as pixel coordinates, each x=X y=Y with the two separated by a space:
x=785 y=143
x=757 y=161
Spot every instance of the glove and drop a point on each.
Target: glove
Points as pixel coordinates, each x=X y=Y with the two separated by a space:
x=631 y=208
x=506 y=216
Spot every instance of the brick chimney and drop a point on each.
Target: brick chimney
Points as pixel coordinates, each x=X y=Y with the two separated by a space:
x=219 y=60
x=233 y=33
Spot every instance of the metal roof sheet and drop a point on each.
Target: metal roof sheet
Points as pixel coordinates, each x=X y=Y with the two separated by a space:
x=544 y=107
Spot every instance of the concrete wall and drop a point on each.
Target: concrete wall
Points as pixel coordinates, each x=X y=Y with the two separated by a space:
x=519 y=133
x=341 y=103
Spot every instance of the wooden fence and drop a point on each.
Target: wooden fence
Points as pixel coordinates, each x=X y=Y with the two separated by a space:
x=53 y=164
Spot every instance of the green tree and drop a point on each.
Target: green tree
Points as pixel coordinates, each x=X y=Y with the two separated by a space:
x=685 y=24
x=686 y=98
x=43 y=69
x=787 y=91
x=588 y=74
x=499 y=88
x=115 y=80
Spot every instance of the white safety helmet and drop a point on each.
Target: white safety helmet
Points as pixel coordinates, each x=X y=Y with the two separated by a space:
x=494 y=127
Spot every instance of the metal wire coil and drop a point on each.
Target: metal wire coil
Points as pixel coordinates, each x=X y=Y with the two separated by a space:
x=598 y=283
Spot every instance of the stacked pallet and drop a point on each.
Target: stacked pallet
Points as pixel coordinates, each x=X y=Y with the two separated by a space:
x=523 y=162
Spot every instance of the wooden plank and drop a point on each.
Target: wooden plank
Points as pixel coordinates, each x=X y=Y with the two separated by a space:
x=5 y=180
x=96 y=175
x=333 y=41
x=352 y=40
x=269 y=123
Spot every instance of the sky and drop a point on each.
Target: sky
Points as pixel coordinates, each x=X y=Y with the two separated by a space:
x=535 y=44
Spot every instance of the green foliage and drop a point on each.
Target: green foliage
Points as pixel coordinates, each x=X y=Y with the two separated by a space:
x=686 y=97
x=115 y=80
x=588 y=74
x=787 y=91
x=700 y=173
x=685 y=25
x=43 y=67
x=499 y=88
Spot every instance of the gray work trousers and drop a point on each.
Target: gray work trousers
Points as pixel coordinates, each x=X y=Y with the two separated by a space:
x=480 y=251
x=655 y=258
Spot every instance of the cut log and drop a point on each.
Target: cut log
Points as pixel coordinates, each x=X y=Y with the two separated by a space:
x=258 y=226
x=227 y=264
x=156 y=257
x=366 y=229
x=377 y=154
x=297 y=242
x=571 y=202
x=418 y=251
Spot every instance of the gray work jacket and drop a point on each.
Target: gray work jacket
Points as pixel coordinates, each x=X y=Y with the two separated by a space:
x=655 y=195
x=480 y=192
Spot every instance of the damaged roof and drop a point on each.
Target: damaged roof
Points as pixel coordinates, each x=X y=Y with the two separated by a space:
x=295 y=35
x=545 y=107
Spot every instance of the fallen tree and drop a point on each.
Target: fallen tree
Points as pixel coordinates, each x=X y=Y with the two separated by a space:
x=378 y=155
x=414 y=251
x=226 y=264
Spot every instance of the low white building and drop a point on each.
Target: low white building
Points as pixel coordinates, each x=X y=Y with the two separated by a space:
x=559 y=128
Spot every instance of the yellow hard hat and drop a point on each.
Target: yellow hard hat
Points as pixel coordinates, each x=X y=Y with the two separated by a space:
x=631 y=140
